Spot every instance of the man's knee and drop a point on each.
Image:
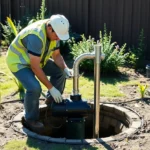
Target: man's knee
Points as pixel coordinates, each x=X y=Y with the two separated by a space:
x=60 y=73
x=36 y=89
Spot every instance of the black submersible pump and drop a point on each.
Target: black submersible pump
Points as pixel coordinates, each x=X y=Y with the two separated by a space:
x=75 y=109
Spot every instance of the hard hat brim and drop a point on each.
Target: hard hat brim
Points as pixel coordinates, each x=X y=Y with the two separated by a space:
x=63 y=37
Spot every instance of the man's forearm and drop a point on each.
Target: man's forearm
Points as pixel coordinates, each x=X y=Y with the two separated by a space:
x=41 y=76
x=59 y=61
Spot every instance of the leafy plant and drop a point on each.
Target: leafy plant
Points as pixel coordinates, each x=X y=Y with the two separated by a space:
x=21 y=89
x=114 y=55
x=84 y=46
x=15 y=32
x=42 y=10
x=7 y=34
x=40 y=15
x=142 y=89
x=10 y=30
x=12 y=26
x=136 y=57
x=131 y=59
x=3 y=43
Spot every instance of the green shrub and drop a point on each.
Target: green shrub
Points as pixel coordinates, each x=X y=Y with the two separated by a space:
x=137 y=57
x=131 y=59
x=42 y=10
x=83 y=46
x=114 y=56
x=41 y=14
x=8 y=30
x=3 y=43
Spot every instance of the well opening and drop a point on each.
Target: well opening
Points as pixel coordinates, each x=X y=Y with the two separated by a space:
x=116 y=123
x=112 y=122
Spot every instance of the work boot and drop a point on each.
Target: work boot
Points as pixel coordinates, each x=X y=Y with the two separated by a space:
x=33 y=125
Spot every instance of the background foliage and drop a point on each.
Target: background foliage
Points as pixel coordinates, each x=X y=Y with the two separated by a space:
x=114 y=55
x=136 y=58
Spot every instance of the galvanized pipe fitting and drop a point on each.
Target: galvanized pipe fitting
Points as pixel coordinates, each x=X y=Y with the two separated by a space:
x=76 y=70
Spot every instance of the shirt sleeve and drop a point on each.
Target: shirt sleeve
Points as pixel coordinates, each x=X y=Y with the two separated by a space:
x=33 y=44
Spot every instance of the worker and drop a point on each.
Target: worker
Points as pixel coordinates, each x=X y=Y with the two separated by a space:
x=35 y=53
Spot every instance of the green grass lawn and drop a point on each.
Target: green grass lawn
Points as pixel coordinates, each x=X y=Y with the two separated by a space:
x=109 y=87
x=33 y=144
x=7 y=84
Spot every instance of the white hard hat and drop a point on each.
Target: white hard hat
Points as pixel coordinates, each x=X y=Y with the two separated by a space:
x=60 y=25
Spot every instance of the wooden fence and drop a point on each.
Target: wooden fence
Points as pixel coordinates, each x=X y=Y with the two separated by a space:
x=125 y=18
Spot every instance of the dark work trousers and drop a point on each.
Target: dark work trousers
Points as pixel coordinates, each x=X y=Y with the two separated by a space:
x=33 y=88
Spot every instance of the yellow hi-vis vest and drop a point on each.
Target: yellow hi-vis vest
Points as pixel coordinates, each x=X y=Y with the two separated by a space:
x=17 y=56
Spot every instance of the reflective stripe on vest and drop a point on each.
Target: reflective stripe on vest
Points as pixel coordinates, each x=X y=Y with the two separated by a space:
x=17 y=55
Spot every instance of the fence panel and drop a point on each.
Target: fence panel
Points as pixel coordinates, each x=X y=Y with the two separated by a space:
x=125 y=18
x=5 y=9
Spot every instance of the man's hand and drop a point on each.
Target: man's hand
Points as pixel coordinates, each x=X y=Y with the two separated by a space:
x=69 y=73
x=56 y=95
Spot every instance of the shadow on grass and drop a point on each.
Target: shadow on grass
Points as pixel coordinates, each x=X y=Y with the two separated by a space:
x=114 y=79
x=42 y=145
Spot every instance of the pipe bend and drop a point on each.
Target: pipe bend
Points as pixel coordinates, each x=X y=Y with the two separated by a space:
x=79 y=59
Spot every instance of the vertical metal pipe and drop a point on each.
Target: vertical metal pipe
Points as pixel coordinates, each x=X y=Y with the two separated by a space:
x=96 y=121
